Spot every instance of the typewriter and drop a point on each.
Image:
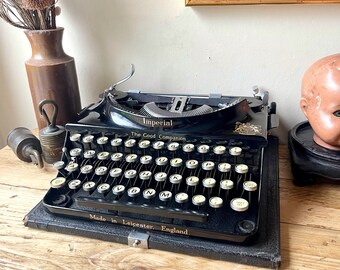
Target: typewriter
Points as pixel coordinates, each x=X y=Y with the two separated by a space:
x=176 y=164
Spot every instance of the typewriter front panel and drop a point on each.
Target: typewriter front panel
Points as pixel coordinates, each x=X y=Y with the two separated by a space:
x=201 y=186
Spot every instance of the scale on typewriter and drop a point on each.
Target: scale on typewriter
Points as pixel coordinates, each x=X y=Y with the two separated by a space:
x=192 y=174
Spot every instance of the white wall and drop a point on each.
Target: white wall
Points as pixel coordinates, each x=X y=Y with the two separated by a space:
x=225 y=49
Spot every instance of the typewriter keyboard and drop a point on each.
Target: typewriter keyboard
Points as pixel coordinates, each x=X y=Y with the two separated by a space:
x=204 y=187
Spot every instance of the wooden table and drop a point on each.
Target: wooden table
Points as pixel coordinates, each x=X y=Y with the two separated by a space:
x=310 y=229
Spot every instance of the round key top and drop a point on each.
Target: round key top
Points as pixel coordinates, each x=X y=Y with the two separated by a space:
x=226 y=184
x=74 y=184
x=158 y=145
x=209 y=182
x=161 y=161
x=208 y=165
x=103 y=188
x=176 y=162
x=146 y=159
x=58 y=182
x=72 y=167
x=198 y=200
x=181 y=197
x=86 y=169
x=174 y=146
x=133 y=192
x=131 y=158
x=117 y=157
x=149 y=193
x=239 y=204
x=103 y=155
x=116 y=142
x=88 y=138
x=89 y=186
x=75 y=137
x=59 y=165
x=235 y=151
x=130 y=143
x=203 y=149
x=102 y=140
x=241 y=168
x=188 y=147
x=75 y=152
x=191 y=164
x=145 y=175
x=101 y=170
x=89 y=154
x=224 y=167
x=219 y=149
x=165 y=195
x=160 y=176
x=192 y=181
x=144 y=144
x=116 y=172
x=249 y=186
x=175 y=179
x=215 y=202
x=129 y=174
x=118 y=190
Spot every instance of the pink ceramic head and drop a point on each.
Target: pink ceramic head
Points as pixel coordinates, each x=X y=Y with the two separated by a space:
x=320 y=100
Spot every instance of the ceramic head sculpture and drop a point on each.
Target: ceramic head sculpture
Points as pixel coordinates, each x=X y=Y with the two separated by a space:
x=320 y=100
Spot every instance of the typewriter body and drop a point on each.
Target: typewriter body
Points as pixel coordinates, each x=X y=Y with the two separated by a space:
x=182 y=165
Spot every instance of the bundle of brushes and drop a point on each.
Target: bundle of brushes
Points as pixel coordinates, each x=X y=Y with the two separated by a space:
x=30 y=14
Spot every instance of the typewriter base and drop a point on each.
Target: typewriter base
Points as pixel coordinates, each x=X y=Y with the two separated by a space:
x=310 y=162
x=263 y=251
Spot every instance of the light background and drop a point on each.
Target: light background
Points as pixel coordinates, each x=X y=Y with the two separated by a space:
x=178 y=49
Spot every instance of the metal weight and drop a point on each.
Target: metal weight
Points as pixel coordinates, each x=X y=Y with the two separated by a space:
x=25 y=146
x=52 y=137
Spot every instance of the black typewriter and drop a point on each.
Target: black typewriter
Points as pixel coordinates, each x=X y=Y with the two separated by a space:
x=180 y=165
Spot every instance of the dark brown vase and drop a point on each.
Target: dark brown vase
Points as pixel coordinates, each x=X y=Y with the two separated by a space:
x=52 y=75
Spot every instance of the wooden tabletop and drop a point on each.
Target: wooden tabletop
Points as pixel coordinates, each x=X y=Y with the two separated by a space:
x=310 y=229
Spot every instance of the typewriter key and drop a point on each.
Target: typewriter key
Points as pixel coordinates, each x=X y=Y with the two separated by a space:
x=203 y=149
x=145 y=175
x=75 y=137
x=116 y=172
x=161 y=161
x=174 y=146
x=58 y=182
x=103 y=155
x=249 y=186
x=192 y=181
x=176 y=162
x=74 y=184
x=103 y=188
x=88 y=138
x=216 y=202
x=144 y=144
x=241 y=168
x=118 y=190
x=165 y=195
x=116 y=142
x=89 y=186
x=175 y=179
x=86 y=169
x=219 y=149
x=117 y=157
x=209 y=182
x=235 y=151
x=239 y=204
x=131 y=158
x=208 y=165
x=72 y=167
x=130 y=143
x=181 y=197
x=226 y=185
x=188 y=148
x=146 y=160
x=191 y=164
x=130 y=174
x=161 y=176
x=198 y=200
x=59 y=165
x=75 y=152
x=101 y=170
x=89 y=154
x=158 y=145
x=224 y=167
x=149 y=193
x=133 y=192
x=102 y=140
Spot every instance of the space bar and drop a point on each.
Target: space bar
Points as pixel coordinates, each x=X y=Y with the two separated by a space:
x=144 y=209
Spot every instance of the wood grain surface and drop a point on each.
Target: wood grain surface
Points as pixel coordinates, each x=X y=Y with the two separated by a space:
x=310 y=229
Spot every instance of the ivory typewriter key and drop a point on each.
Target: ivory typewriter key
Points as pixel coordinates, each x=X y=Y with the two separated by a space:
x=224 y=167
x=215 y=202
x=176 y=162
x=144 y=144
x=175 y=179
x=161 y=161
x=192 y=181
x=131 y=158
x=75 y=137
x=133 y=192
x=101 y=170
x=165 y=195
x=58 y=182
x=103 y=155
x=86 y=169
x=161 y=176
x=118 y=190
x=239 y=204
x=173 y=146
x=146 y=160
x=191 y=164
x=219 y=150
x=241 y=168
x=188 y=147
x=88 y=138
x=198 y=200
x=208 y=165
x=130 y=174
x=75 y=152
x=102 y=140
x=89 y=154
x=181 y=197
x=116 y=142
x=249 y=186
x=103 y=188
x=235 y=151
x=89 y=186
x=209 y=183
x=145 y=175
x=149 y=193
x=117 y=157
x=158 y=145
x=116 y=172
x=72 y=167
x=59 y=165
x=203 y=149
x=226 y=185
x=74 y=184
x=130 y=143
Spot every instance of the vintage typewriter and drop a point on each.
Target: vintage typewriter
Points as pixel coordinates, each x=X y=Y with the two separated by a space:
x=174 y=165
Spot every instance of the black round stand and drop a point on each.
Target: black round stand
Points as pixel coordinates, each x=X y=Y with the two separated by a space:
x=311 y=162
